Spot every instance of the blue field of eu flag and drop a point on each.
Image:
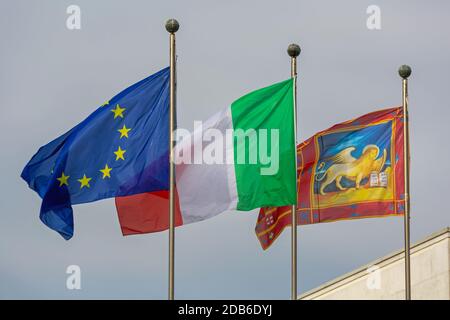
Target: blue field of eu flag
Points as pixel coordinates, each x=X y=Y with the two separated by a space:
x=120 y=149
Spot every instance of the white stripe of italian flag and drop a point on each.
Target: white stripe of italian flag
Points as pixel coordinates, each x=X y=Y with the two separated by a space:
x=242 y=158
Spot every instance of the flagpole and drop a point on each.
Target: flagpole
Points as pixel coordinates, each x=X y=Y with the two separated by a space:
x=405 y=71
x=172 y=26
x=294 y=51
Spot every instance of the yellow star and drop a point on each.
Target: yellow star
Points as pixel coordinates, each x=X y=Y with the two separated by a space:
x=105 y=104
x=84 y=182
x=124 y=132
x=119 y=154
x=118 y=111
x=106 y=172
x=63 y=180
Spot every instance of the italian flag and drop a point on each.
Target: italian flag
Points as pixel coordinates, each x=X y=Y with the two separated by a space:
x=242 y=158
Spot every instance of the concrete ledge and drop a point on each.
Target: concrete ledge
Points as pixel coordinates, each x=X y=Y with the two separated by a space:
x=343 y=282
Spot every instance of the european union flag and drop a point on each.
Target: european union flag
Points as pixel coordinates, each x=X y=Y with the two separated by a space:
x=120 y=149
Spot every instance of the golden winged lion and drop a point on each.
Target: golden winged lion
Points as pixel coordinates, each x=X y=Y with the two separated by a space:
x=345 y=165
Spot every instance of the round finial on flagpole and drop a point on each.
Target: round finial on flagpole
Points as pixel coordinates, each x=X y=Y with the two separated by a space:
x=404 y=71
x=294 y=50
x=172 y=25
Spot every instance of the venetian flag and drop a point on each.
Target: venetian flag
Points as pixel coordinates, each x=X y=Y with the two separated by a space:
x=352 y=170
x=241 y=158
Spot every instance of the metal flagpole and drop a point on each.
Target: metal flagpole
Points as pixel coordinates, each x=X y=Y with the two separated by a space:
x=294 y=51
x=405 y=71
x=172 y=26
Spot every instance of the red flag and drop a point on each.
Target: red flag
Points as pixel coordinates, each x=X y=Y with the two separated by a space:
x=146 y=212
x=352 y=170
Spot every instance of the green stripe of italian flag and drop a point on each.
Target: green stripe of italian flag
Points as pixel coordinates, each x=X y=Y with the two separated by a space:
x=242 y=158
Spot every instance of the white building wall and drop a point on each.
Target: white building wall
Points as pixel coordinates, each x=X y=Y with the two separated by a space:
x=430 y=275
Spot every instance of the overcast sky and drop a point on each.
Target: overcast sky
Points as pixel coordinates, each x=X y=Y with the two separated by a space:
x=51 y=78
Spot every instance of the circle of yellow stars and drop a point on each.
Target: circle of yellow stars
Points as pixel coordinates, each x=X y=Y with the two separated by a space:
x=118 y=112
